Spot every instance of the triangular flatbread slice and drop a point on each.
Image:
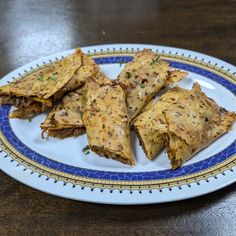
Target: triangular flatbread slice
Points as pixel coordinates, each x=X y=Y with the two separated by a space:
x=65 y=120
x=152 y=140
x=184 y=121
x=194 y=122
x=143 y=77
x=50 y=83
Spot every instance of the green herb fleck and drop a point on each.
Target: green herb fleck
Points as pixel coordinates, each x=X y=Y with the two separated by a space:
x=86 y=150
x=53 y=77
x=30 y=119
x=154 y=61
x=40 y=78
x=128 y=74
x=81 y=113
x=140 y=84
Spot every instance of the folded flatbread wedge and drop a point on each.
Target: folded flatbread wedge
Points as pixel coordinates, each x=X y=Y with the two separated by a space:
x=194 y=122
x=37 y=91
x=185 y=126
x=143 y=77
x=65 y=119
x=152 y=140
x=106 y=121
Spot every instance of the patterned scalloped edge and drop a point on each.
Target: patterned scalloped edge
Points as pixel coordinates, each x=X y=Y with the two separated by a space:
x=111 y=188
x=222 y=70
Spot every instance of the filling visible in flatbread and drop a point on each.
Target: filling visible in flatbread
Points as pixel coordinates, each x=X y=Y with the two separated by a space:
x=194 y=122
x=152 y=140
x=44 y=86
x=65 y=119
x=186 y=124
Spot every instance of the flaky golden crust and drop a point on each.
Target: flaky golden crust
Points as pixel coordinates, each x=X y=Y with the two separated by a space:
x=143 y=77
x=175 y=76
x=151 y=139
x=194 y=122
x=51 y=82
x=184 y=121
x=65 y=119
x=106 y=121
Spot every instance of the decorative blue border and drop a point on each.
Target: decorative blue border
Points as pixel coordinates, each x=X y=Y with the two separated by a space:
x=125 y=176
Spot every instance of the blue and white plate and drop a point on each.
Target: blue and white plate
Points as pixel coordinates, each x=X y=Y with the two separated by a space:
x=60 y=167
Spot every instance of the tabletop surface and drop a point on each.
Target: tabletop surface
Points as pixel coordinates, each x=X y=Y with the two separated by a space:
x=30 y=29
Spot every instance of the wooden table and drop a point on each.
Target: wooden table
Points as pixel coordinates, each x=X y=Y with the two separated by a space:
x=32 y=29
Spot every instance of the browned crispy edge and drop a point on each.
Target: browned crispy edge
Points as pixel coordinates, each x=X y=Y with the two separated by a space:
x=108 y=154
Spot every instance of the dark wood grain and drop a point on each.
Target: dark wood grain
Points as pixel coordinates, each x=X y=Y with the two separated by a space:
x=32 y=29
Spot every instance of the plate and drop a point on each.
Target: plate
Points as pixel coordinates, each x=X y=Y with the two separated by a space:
x=59 y=167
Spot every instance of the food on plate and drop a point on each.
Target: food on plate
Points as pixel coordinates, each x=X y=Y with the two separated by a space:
x=189 y=124
x=65 y=119
x=106 y=121
x=82 y=99
x=29 y=111
x=143 y=77
x=194 y=122
x=175 y=76
x=37 y=91
x=152 y=140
